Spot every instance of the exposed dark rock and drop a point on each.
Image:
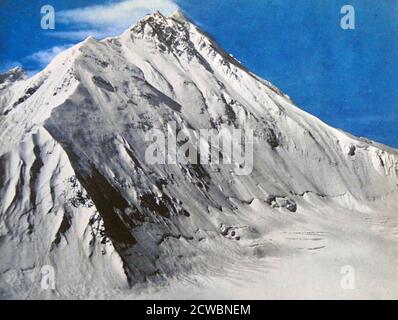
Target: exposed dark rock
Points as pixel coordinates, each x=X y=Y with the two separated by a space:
x=281 y=202
x=2 y=171
x=112 y=207
x=65 y=225
x=229 y=111
x=351 y=152
x=12 y=75
x=229 y=232
x=272 y=138
x=156 y=205
x=102 y=83
x=81 y=200
x=381 y=161
x=34 y=173
x=28 y=93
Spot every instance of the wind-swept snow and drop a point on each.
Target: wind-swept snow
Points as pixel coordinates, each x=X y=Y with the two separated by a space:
x=77 y=194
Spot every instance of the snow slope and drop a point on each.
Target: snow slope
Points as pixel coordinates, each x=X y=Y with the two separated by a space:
x=77 y=194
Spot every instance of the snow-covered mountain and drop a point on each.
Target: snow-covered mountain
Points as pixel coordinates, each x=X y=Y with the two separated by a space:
x=76 y=193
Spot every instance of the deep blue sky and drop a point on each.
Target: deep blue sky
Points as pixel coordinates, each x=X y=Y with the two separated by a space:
x=348 y=78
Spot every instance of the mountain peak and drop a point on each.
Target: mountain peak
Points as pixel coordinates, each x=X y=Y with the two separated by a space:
x=169 y=32
x=12 y=75
x=157 y=15
x=159 y=19
x=179 y=16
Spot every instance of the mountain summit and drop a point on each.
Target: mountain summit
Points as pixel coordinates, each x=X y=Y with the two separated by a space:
x=78 y=195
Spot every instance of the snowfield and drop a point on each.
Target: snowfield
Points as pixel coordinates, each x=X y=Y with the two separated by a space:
x=78 y=196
